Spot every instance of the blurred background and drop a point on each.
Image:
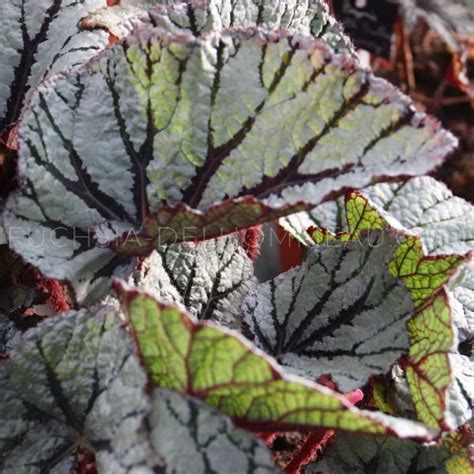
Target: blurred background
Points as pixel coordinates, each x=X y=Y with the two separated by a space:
x=426 y=48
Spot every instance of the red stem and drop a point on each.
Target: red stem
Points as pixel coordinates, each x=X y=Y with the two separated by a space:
x=308 y=451
x=57 y=295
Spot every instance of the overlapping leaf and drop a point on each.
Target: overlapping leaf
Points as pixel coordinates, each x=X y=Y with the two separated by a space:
x=192 y=437
x=181 y=223
x=39 y=38
x=328 y=317
x=445 y=225
x=379 y=455
x=427 y=367
x=73 y=383
x=162 y=121
x=460 y=396
x=340 y=313
x=428 y=208
x=209 y=279
x=222 y=369
x=198 y=17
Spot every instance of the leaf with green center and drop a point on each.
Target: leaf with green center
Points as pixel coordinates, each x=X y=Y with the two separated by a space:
x=209 y=279
x=427 y=367
x=445 y=224
x=309 y=17
x=221 y=368
x=380 y=455
x=40 y=38
x=190 y=436
x=426 y=207
x=175 y=133
x=422 y=205
x=72 y=383
x=340 y=313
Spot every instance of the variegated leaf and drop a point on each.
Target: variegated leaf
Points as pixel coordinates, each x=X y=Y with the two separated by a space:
x=427 y=208
x=340 y=313
x=162 y=121
x=197 y=17
x=73 y=384
x=39 y=38
x=190 y=436
x=314 y=320
x=445 y=224
x=427 y=367
x=382 y=455
x=221 y=368
x=209 y=279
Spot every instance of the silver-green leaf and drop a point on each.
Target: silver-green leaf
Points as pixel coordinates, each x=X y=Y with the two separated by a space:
x=381 y=455
x=72 y=383
x=209 y=279
x=190 y=436
x=197 y=18
x=340 y=313
x=159 y=135
x=39 y=38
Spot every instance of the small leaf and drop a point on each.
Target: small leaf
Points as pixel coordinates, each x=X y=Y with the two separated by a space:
x=190 y=436
x=197 y=18
x=170 y=141
x=221 y=368
x=209 y=279
x=340 y=313
x=73 y=382
x=40 y=38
